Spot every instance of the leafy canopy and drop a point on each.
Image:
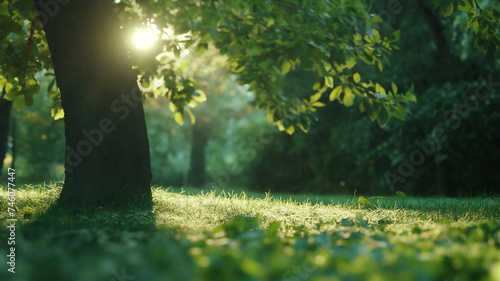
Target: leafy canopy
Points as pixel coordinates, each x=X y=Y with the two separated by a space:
x=263 y=41
x=484 y=21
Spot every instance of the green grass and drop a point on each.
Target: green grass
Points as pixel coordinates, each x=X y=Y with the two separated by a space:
x=196 y=234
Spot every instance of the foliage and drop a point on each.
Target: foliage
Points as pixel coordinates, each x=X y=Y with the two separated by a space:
x=18 y=65
x=220 y=118
x=265 y=40
x=447 y=85
x=39 y=140
x=340 y=157
x=484 y=21
x=232 y=236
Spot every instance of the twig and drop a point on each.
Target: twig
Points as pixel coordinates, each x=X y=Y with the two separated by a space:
x=477 y=5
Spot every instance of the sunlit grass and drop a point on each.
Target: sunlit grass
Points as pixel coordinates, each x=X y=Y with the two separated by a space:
x=244 y=234
x=198 y=210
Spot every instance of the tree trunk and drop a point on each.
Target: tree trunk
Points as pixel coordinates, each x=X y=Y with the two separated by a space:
x=107 y=148
x=440 y=178
x=5 y=109
x=197 y=165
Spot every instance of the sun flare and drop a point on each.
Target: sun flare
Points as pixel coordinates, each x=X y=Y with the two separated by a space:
x=144 y=38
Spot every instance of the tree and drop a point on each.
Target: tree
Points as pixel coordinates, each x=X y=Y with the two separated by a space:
x=227 y=103
x=107 y=150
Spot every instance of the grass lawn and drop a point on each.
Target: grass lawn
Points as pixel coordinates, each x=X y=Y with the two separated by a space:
x=196 y=234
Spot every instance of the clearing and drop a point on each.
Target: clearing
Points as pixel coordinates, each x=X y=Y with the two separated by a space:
x=218 y=235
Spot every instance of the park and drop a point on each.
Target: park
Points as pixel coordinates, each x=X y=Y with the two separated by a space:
x=249 y=140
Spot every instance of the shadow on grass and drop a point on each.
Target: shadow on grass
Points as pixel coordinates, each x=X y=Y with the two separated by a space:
x=61 y=218
x=98 y=243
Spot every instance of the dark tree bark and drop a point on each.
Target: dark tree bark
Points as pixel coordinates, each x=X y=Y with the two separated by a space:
x=107 y=148
x=5 y=109
x=437 y=30
x=197 y=165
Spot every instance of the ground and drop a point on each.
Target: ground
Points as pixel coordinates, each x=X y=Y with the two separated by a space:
x=203 y=234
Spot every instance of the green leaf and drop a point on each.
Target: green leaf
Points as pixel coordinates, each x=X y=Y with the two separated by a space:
x=383 y=116
x=380 y=89
x=364 y=201
x=192 y=104
x=400 y=112
x=172 y=107
x=191 y=116
x=447 y=12
x=412 y=88
x=348 y=99
x=466 y=6
x=285 y=67
x=270 y=22
x=377 y=19
x=270 y=115
x=476 y=30
x=178 y=118
x=315 y=97
x=199 y=96
x=363 y=105
x=351 y=63
x=401 y=194
x=10 y=91
x=305 y=125
x=356 y=77
x=19 y=103
x=57 y=113
x=396 y=35
x=239 y=69
x=51 y=84
x=329 y=81
x=376 y=35
x=279 y=124
x=373 y=111
x=410 y=97
x=382 y=197
x=335 y=94
x=394 y=88
x=326 y=65
x=290 y=130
